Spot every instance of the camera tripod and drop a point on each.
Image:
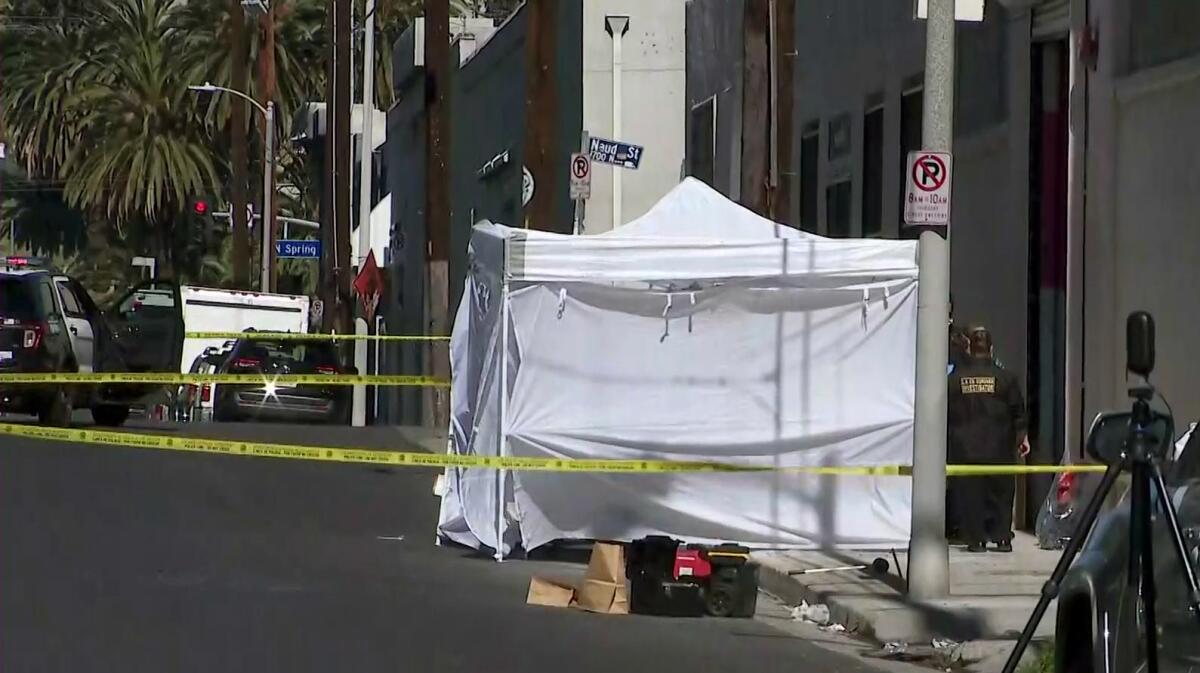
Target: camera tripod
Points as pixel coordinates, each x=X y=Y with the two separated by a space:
x=1139 y=457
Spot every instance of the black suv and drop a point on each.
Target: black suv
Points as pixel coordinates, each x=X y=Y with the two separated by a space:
x=49 y=323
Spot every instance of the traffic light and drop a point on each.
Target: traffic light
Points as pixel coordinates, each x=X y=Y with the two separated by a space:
x=202 y=226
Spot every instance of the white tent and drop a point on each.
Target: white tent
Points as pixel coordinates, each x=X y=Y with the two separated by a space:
x=698 y=332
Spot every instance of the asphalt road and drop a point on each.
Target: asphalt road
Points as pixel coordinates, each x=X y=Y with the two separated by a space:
x=115 y=559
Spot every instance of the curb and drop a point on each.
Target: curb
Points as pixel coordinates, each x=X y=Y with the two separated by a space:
x=791 y=592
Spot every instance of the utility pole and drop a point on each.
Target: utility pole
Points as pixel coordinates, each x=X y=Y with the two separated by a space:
x=343 y=306
x=437 y=200
x=237 y=143
x=928 y=560
x=358 y=416
x=328 y=280
x=756 y=117
x=266 y=61
x=783 y=48
x=336 y=223
x=541 y=115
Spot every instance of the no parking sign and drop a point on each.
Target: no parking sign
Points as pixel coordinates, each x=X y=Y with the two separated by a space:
x=928 y=183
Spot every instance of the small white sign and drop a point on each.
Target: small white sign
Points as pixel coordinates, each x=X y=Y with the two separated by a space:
x=928 y=183
x=964 y=10
x=581 y=176
x=526 y=186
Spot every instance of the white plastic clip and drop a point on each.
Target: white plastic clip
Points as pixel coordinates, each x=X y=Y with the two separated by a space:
x=866 y=300
x=562 y=301
x=887 y=295
x=692 y=295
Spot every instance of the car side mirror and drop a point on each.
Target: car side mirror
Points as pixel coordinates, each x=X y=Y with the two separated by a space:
x=1110 y=432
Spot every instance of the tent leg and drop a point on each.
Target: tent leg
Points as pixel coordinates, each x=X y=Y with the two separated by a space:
x=503 y=417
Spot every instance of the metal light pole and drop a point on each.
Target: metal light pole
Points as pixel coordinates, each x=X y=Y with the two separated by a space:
x=928 y=560
x=264 y=283
x=266 y=218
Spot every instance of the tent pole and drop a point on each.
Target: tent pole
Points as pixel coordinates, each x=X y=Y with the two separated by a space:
x=503 y=420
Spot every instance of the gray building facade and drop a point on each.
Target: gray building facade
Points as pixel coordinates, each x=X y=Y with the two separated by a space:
x=487 y=103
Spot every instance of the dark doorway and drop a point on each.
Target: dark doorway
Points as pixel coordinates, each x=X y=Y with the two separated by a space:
x=1048 y=153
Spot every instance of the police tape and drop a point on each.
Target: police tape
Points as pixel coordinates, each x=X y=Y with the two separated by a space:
x=332 y=454
x=240 y=379
x=299 y=336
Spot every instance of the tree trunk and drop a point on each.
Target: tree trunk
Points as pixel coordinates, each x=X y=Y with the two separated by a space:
x=237 y=141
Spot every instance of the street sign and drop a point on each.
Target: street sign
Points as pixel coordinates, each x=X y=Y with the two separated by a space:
x=298 y=249
x=369 y=286
x=581 y=176
x=927 y=195
x=615 y=152
x=526 y=186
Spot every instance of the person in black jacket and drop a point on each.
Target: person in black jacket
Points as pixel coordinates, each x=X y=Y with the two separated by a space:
x=959 y=346
x=987 y=424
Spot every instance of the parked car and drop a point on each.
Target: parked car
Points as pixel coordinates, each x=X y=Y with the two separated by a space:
x=194 y=402
x=1071 y=493
x=49 y=324
x=1099 y=614
x=283 y=402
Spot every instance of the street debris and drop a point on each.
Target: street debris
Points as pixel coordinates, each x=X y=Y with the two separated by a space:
x=816 y=613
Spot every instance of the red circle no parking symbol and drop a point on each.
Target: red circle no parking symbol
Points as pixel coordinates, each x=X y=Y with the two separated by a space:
x=929 y=172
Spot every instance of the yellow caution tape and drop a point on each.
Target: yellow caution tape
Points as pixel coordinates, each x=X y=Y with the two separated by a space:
x=297 y=336
x=244 y=379
x=334 y=454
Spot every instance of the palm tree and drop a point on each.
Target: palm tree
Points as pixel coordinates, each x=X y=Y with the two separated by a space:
x=141 y=149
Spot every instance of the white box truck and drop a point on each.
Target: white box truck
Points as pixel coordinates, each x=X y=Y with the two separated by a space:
x=214 y=310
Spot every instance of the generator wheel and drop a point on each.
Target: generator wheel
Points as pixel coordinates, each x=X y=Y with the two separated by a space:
x=718 y=601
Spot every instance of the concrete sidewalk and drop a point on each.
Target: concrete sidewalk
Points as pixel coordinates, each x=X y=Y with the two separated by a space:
x=992 y=595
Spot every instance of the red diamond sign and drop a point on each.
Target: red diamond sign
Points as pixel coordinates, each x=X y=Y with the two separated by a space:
x=369 y=286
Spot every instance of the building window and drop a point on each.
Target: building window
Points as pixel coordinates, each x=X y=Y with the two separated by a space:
x=702 y=145
x=872 y=190
x=839 y=137
x=837 y=209
x=810 y=144
x=912 y=109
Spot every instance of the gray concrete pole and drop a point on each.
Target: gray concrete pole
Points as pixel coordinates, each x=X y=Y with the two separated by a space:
x=928 y=561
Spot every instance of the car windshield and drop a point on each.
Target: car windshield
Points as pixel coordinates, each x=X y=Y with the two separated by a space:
x=18 y=301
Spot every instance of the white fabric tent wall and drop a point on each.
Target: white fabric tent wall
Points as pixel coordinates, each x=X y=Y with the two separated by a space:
x=698 y=332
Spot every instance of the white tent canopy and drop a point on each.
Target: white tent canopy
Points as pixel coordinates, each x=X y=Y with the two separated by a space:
x=699 y=331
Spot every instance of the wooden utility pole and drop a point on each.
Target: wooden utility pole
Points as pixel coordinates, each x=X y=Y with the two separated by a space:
x=783 y=46
x=437 y=202
x=237 y=143
x=266 y=78
x=335 y=224
x=756 y=105
x=541 y=115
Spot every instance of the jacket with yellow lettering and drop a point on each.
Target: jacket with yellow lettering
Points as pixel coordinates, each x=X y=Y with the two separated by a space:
x=986 y=413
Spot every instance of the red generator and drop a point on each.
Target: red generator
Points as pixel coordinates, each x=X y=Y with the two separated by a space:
x=670 y=578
